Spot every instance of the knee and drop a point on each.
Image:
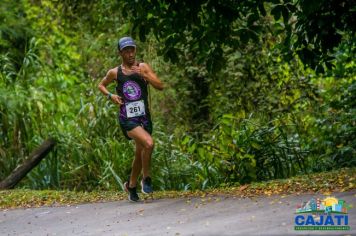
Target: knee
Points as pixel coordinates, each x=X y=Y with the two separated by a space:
x=149 y=144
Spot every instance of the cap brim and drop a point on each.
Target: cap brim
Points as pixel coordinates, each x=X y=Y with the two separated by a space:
x=129 y=45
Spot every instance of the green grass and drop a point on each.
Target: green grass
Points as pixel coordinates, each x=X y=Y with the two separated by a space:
x=327 y=182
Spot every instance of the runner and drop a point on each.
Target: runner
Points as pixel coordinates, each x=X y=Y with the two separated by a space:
x=132 y=79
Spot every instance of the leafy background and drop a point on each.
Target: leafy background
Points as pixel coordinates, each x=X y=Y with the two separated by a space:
x=253 y=91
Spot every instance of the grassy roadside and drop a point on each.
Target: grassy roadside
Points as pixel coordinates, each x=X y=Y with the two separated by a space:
x=326 y=183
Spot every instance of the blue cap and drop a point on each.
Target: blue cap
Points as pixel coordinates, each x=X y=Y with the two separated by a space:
x=126 y=42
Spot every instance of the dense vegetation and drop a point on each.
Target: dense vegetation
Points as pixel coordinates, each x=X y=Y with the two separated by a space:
x=256 y=92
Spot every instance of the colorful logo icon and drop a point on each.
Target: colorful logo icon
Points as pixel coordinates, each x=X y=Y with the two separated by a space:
x=322 y=214
x=131 y=90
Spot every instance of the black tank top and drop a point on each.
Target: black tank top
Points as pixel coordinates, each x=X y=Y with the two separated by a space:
x=133 y=90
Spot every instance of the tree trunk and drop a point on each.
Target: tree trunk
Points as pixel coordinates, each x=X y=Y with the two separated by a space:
x=32 y=161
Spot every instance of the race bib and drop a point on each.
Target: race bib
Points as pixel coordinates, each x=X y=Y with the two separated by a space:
x=134 y=109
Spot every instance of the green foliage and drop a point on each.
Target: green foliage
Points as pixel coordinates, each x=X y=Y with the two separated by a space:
x=312 y=28
x=13 y=34
x=334 y=126
x=245 y=149
x=202 y=28
x=320 y=28
x=232 y=112
x=51 y=96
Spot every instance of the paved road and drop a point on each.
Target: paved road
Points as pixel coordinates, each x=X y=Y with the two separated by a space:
x=199 y=216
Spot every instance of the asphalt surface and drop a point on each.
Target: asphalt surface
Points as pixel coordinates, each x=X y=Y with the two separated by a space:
x=197 y=216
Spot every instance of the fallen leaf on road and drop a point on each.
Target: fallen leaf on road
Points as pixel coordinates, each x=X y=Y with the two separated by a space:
x=242 y=188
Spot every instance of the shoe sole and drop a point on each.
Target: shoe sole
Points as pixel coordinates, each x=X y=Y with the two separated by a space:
x=132 y=200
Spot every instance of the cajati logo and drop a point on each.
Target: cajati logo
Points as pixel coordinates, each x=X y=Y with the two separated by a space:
x=322 y=214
